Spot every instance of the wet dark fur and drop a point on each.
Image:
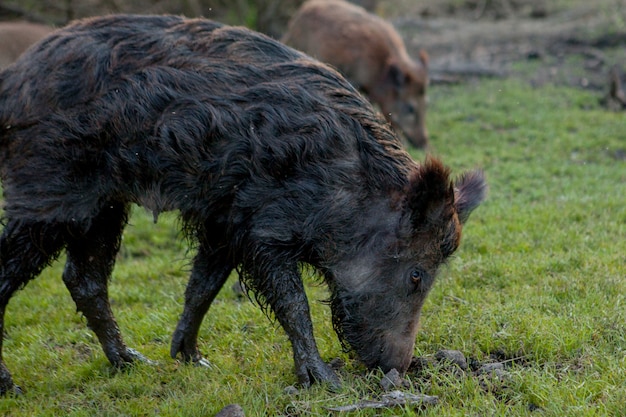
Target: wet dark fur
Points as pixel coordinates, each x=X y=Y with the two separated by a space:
x=266 y=154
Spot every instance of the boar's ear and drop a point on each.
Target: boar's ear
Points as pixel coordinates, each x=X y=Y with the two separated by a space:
x=430 y=196
x=424 y=59
x=469 y=191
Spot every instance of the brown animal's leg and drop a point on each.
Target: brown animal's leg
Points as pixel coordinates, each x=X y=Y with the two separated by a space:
x=210 y=271
x=90 y=260
x=25 y=249
x=284 y=291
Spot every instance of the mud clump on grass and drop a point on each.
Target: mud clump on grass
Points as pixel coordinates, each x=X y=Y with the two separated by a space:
x=492 y=376
x=232 y=410
x=453 y=357
x=393 y=380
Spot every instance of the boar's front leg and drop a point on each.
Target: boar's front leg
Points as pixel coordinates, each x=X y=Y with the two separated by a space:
x=283 y=290
x=90 y=260
x=210 y=270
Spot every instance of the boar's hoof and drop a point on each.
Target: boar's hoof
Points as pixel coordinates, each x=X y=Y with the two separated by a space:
x=10 y=389
x=187 y=355
x=13 y=390
x=202 y=363
x=319 y=372
x=7 y=387
x=130 y=356
x=188 y=351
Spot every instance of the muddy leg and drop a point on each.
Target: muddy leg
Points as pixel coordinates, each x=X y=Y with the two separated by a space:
x=25 y=249
x=90 y=260
x=284 y=291
x=210 y=271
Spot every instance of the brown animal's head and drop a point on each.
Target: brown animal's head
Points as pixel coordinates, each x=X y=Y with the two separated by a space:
x=378 y=291
x=402 y=97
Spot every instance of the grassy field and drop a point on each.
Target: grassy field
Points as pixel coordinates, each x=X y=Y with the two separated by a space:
x=539 y=283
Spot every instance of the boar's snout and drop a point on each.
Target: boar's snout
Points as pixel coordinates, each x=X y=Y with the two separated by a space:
x=394 y=353
x=394 y=347
x=377 y=330
x=419 y=138
x=407 y=116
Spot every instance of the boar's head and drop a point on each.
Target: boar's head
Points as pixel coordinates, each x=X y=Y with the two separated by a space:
x=402 y=98
x=379 y=289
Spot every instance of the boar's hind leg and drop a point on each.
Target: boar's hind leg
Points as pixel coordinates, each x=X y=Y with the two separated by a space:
x=284 y=291
x=210 y=271
x=90 y=260
x=25 y=249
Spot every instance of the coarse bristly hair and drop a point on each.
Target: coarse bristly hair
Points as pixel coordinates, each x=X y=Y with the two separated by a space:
x=271 y=159
x=185 y=114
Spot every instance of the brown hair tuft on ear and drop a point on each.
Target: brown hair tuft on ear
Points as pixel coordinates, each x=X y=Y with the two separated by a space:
x=424 y=58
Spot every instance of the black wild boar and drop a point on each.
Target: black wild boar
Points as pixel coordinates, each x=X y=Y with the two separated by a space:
x=271 y=158
x=371 y=54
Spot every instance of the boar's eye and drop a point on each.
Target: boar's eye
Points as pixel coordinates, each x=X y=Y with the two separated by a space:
x=409 y=108
x=417 y=275
x=419 y=280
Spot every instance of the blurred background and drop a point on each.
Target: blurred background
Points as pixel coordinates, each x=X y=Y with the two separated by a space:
x=267 y=16
x=568 y=42
x=271 y=16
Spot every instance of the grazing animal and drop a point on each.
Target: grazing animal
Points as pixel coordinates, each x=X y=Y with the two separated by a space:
x=271 y=158
x=16 y=37
x=371 y=54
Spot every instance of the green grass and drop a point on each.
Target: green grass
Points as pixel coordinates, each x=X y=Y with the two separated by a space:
x=539 y=280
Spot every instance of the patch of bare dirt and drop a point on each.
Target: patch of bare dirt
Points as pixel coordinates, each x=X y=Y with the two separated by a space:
x=577 y=45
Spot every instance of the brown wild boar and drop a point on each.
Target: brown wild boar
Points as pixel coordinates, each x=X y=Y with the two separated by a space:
x=371 y=54
x=16 y=37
